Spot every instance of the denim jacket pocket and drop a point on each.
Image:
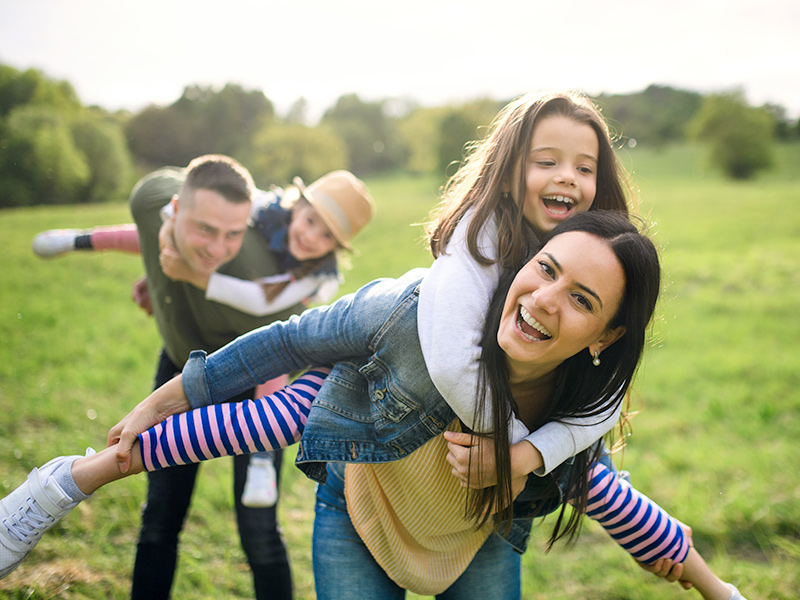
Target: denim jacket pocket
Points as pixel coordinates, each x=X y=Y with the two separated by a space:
x=364 y=395
x=387 y=401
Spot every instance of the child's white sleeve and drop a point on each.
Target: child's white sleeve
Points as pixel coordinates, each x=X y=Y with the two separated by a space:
x=248 y=296
x=557 y=441
x=454 y=300
x=327 y=289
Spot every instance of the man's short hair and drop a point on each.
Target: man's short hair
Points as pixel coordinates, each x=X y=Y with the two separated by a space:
x=221 y=174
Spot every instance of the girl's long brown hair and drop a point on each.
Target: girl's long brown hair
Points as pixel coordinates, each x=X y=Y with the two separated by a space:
x=492 y=178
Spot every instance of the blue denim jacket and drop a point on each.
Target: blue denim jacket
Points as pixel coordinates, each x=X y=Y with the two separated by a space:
x=378 y=403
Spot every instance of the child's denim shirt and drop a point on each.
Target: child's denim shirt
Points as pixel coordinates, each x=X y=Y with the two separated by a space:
x=378 y=403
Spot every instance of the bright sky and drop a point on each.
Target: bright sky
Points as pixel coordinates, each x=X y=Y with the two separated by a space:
x=130 y=53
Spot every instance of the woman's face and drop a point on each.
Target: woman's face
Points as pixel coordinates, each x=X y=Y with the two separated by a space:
x=561 y=303
x=560 y=172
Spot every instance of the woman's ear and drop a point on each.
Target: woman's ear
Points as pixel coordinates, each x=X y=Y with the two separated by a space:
x=609 y=337
x=174 y=202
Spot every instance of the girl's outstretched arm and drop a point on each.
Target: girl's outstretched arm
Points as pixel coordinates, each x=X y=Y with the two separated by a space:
x=249 y=296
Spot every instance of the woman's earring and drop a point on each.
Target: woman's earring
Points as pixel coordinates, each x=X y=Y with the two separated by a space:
x=596 y=359
x=505 y=196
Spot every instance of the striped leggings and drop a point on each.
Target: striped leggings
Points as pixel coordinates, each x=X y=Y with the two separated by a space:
x=634 y=521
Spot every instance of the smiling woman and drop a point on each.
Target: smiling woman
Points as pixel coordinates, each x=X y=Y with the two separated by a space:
x=377 y=407
x=562 y=301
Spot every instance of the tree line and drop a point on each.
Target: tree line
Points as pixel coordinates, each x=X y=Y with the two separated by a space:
x=55 y=150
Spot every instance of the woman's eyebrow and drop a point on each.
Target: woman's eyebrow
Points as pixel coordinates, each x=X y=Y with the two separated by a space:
x=560 y=269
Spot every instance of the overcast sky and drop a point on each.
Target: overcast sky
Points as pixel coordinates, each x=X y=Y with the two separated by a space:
x=131 y=53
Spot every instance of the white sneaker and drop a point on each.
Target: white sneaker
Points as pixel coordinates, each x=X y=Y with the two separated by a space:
x=28 y=512
x=735 y=594
x=55 y=242
x=261 y=486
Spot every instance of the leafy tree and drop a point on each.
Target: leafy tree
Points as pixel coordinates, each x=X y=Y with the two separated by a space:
x=657 y=115
x=417 y=132
x=157 y=136
x=201 y=121
x=784 y=128
x=52 y=149
x=298 y=112
x=740 y=137
x=455 y=130
x=39 y=161
x=370 y=136
x=103 y=144
x=459 y=126
x=32 y=87
x=281 y=152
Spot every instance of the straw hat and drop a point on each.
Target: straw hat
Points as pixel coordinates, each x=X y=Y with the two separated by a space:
x=342 y=200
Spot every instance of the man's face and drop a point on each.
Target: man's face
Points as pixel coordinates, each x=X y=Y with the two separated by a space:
x=209 y=229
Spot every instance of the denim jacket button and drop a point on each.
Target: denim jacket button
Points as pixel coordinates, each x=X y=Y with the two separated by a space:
x=379 y=394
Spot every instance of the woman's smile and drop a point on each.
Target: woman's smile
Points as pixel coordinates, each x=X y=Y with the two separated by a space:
x=530 y=327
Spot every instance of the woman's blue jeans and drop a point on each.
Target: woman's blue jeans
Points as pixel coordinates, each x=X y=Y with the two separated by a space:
x=345 y=570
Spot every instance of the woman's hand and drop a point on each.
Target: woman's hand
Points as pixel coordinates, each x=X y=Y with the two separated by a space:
x=525 y=458
x=667 y=568
x=167 y=400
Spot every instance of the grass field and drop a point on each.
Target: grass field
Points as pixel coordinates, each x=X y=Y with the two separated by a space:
x=715 y=441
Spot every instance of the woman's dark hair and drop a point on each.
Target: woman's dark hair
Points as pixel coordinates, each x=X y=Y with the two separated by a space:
x=581 y=389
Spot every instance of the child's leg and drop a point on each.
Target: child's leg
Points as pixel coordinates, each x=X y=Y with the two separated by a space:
x=52 y=491
x=55 y=242
x=124 y=238
x=92 y=472
x=647 y=532
x=272 y=422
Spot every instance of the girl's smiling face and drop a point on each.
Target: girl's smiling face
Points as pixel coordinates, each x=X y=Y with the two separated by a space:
x=560 y=303
x=309 y=237
x=560 y=172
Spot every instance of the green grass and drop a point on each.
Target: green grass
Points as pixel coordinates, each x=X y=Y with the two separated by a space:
x=715 y=441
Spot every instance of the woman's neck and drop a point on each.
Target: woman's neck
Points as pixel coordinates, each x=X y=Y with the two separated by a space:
x=532 y=397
